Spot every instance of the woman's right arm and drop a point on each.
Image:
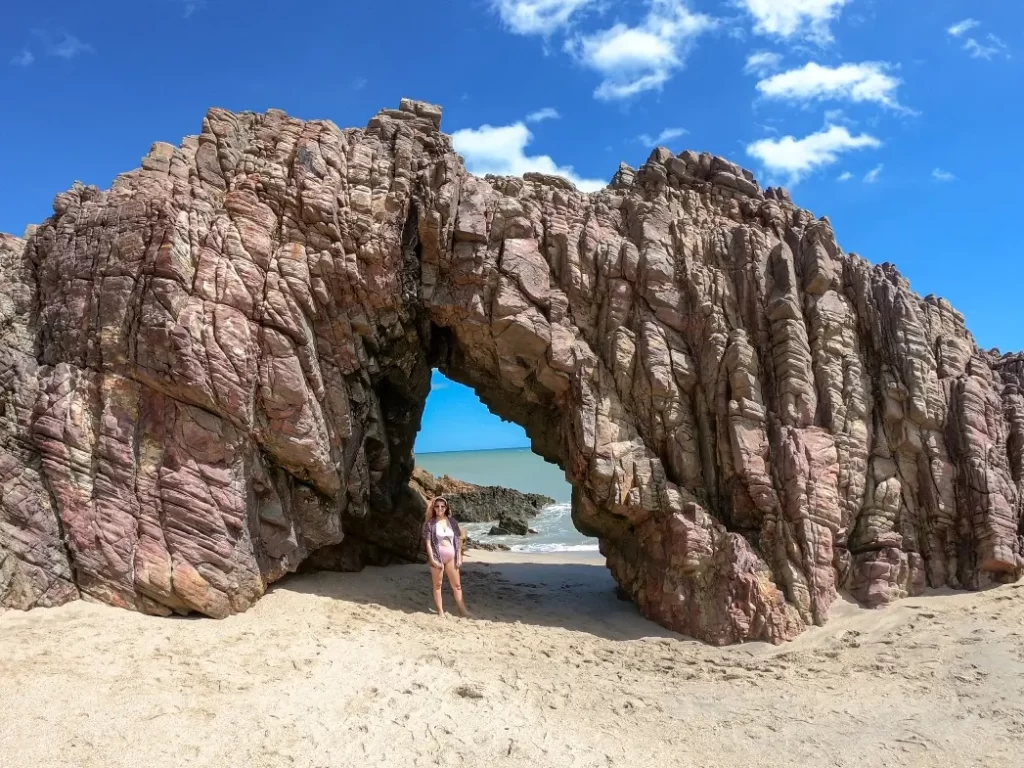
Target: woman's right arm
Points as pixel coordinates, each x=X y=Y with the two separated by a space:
x=434 y=562
x=430 y=557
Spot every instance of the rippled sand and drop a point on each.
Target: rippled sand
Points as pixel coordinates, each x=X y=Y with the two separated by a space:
x=352 y=670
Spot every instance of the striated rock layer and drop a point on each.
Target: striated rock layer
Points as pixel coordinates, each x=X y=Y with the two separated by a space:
x=218 y=367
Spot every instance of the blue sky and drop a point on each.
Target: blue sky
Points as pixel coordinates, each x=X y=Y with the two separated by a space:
x=456 y=420
x=899 y=119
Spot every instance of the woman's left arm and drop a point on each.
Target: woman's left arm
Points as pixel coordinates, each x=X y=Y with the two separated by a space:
x=458 y=546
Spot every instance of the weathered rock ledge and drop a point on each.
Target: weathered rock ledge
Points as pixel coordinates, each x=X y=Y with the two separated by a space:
x=217 y=368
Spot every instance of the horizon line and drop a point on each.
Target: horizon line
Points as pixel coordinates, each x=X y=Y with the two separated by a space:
x=475 y=450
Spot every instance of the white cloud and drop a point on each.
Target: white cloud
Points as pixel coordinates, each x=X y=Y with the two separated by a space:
x=538 y=17
x=940 y=175
x=548 y=113
x=23 y=59
x=993 y=47
x=794 y=19
x=874 y=174
x=501 y=150
x=662 y=138
x=866 y=82
x=963 y=26
x=762 y=63
x=846 y=176
x=641 y=58
x=798 y=157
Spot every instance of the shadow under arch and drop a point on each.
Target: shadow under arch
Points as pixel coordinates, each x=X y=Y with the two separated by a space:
x=571 y=594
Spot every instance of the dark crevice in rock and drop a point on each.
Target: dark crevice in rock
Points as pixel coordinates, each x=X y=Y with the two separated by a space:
x=61 y=531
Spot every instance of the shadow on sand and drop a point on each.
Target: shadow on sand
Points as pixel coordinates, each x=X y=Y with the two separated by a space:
x=580 y=597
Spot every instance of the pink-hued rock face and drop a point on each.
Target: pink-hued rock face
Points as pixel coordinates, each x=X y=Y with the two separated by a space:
x=218 y=367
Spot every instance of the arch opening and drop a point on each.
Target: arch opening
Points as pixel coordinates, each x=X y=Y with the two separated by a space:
x=462 y=439
x=552 y=576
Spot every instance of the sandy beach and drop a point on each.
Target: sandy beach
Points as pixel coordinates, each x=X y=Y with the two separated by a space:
x=353 y=670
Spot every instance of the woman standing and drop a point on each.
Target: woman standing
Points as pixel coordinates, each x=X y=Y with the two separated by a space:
x=444 y=552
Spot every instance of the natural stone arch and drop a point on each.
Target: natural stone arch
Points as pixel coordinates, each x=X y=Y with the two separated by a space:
x=215 y=371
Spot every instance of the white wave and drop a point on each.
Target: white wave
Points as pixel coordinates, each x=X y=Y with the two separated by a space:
x=538 y=548
x=559 y=507
x=553 y=532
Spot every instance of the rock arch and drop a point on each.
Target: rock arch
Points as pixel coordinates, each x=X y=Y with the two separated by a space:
x=215 y=371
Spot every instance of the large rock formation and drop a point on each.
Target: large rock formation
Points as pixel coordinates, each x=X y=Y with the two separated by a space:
x=218 y=367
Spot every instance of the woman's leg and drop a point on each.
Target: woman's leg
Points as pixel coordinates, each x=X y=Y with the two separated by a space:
x=437 y=578
x=455 y=579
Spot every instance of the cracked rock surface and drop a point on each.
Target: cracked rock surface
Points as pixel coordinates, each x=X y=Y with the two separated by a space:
x=217 y=368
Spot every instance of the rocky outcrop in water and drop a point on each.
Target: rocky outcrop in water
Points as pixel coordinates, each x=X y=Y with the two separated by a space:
x=480 y=503
x=486 y=546
x=217 y=368
x=508 y=526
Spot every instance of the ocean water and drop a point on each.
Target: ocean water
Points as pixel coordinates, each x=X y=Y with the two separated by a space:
x=522 y=469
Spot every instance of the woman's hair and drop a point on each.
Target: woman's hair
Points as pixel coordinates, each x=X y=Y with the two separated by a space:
x=433 y=503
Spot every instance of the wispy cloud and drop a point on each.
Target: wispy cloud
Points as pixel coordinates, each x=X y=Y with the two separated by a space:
x=874 y=174
x=358 y=83
x=762 y=63
x=501 y=150
x=836 y=117
x=809 y=20
x=23 y=59
x=548 y=113
x=662 y=138
x=845 y=176
x=539 y=17
x=63 y=46
x=944 y=176
x=865 y=82
x=635 y=59
x=991 y=47
x=962 y=27
x=796 y=158
x=67 y=47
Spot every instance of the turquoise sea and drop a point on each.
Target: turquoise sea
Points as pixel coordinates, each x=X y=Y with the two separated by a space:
x=525 y=471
